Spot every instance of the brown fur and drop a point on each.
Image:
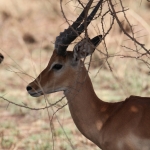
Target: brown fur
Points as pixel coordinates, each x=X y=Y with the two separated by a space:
x=111 y=126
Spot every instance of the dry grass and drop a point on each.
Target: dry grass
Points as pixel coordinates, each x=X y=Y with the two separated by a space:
x=27 y=33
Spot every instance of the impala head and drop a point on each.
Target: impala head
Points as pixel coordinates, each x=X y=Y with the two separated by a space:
x=1 y=57
x=63 y=66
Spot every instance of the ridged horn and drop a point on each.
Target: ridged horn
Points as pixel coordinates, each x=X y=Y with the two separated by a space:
x=73 y=31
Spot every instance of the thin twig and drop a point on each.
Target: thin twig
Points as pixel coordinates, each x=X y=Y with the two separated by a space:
x=31 y=108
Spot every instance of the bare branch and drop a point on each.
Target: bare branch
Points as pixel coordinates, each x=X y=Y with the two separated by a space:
x=24 y=106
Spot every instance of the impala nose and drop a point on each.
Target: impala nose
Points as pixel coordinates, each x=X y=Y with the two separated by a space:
x=29 y=88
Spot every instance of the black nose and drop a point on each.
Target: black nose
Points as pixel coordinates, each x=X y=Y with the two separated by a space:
x=29 y=88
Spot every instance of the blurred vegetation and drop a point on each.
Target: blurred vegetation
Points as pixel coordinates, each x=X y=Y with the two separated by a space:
x=27 y=33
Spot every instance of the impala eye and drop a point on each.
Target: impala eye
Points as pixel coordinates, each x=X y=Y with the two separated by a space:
x=57 y=67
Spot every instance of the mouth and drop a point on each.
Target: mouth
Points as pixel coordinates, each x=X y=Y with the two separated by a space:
x=39 y=92
x=36 y=94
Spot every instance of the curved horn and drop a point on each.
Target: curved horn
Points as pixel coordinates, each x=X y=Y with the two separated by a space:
x=70 y=34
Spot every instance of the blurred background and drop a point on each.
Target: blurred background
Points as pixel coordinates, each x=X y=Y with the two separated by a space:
x=28 y=29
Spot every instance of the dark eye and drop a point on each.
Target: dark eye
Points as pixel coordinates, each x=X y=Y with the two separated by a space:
x=57 y=66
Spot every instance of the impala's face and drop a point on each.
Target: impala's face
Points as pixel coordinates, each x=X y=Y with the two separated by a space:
x=62 y=71
x=57 y=76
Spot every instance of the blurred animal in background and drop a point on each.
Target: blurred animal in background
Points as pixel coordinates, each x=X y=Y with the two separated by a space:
x=1 y=58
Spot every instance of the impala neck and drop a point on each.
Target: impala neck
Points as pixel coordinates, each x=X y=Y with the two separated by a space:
x=88 y=111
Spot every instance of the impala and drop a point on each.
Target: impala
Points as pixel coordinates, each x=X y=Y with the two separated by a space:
x=121 y=125
x=1 y=57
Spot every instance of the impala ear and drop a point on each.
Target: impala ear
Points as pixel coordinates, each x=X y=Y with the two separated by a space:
x=86 y=47
x=96 y=40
